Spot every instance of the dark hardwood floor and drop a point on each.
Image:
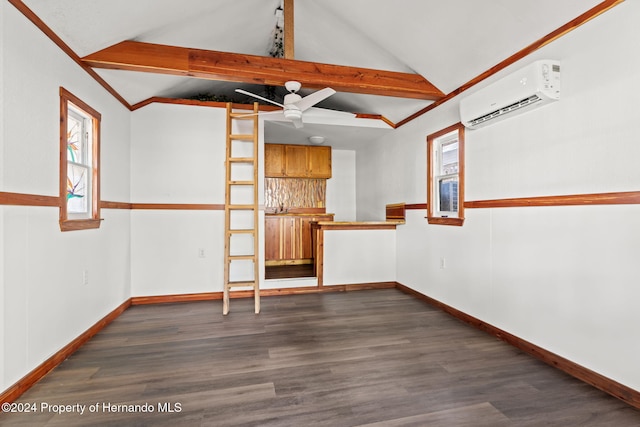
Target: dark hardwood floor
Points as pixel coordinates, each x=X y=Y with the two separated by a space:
x=365 y=358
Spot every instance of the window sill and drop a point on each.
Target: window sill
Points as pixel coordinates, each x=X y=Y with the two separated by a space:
x=79 y=224
x=446 y=221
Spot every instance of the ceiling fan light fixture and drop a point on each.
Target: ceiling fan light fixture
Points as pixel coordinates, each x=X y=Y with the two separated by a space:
x=292 y=114
x=316 y=139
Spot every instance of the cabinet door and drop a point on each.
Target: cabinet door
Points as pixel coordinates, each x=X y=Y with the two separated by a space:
x=319 y=162
x=281 y=238
x=274 y=164
x=290 y=245
x=307 y=237
x=272 y=238
x=296 y=161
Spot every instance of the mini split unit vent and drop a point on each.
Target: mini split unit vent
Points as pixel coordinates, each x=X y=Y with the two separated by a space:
x=524 y=90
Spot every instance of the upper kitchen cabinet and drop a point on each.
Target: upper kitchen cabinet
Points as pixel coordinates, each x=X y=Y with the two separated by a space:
x=319 y=162
x=274 y=165
x=297 y=161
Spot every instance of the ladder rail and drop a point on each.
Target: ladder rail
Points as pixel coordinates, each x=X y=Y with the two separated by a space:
x=230 y=207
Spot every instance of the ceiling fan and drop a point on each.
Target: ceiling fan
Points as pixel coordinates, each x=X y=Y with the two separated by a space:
x=294 y=105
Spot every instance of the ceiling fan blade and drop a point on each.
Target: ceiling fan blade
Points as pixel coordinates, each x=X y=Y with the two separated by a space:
x=297 y=123
x=244 y=92
x=312 y=99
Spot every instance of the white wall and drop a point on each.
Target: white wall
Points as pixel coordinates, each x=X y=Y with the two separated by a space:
x=45 y=304
x=359 y=256
x=2 y=293
x=341 y=188
x=177 y=156
x=564 y=278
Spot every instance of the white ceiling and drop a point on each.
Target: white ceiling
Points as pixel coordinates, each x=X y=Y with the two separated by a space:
x=449 y=42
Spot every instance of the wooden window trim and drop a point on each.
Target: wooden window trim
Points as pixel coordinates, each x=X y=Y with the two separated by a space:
x=431 y=218
x=67 y=224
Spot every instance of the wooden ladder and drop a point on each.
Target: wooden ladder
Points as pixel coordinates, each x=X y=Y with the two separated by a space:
x=241 y=205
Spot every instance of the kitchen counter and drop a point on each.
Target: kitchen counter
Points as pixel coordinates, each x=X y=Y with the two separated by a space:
x=357 y=225
x=298 y=214
x=337 y=244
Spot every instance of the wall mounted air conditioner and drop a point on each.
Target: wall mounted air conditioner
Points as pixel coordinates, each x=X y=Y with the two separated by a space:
x=530 y=87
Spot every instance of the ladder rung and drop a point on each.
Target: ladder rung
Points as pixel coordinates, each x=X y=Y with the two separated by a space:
x=241 y=284
x=245 y=115
x=243 y=231
x=241 y=183
x=241 y=257
x=242 y=207
x=242 y=137
x=241 y=159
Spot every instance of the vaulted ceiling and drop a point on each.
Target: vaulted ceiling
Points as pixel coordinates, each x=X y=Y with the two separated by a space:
x=445 y=44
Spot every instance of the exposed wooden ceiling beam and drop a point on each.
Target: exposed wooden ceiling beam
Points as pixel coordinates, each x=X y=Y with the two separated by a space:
x=234 y=67
x=288 y=30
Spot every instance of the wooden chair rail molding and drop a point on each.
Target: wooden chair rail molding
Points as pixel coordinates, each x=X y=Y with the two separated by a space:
x=163 y=206
x=21 y=199
x=617 y=198
x=362 y=225
x=620 y=391
x=178 y=206
x=620 y=198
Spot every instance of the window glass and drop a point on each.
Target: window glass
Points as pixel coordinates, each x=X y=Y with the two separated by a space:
x=78 y=162
x=445 y=171
x=79 y=156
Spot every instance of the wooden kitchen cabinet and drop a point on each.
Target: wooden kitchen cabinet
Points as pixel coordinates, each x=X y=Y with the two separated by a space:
x=297 y=161
x=272 y=238
x=319 y=162
x=288 y=238
x=307 y=241
x=274 y=165
x=282 y=239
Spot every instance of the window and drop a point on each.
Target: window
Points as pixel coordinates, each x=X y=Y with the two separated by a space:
x=445 y=171
x=79 y=164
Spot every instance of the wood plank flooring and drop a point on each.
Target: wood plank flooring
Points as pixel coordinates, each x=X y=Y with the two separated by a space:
x=365 y=358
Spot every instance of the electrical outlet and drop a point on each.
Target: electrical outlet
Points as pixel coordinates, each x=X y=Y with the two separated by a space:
x=443 y=263
x=201 y=253
x=85 y=277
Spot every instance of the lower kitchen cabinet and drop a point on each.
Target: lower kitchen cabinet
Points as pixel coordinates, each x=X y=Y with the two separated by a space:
x=288 y=238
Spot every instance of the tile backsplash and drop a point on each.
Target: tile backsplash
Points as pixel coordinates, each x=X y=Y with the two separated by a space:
x=294 y=193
